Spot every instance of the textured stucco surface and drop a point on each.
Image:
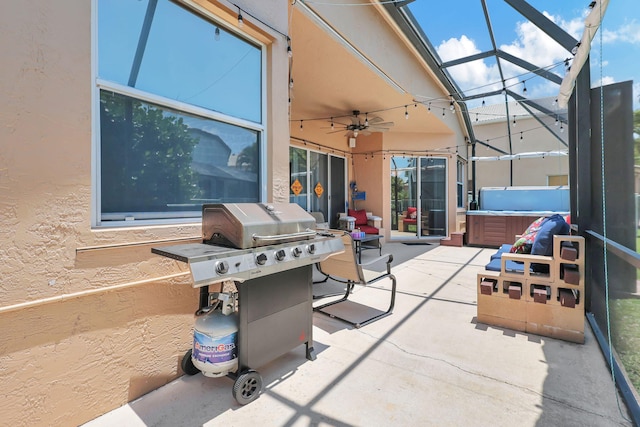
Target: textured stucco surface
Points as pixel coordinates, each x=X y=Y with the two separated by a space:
x=64 y=361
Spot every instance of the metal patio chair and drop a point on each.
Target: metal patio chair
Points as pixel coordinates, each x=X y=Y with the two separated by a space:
x=344 y=268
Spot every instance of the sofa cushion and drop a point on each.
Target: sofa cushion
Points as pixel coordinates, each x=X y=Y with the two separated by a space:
x=543 y=243
x=368 y=229
x=359 y=215
x=412 y=213
x=525 y=242
x=496 y=265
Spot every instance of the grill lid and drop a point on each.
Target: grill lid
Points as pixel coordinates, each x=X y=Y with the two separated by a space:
x=249 y=225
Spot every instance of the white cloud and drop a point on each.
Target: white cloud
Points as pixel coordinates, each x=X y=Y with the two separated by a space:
x=532 y=45
x=471 y=75
x=628 y=33
x=606 y=80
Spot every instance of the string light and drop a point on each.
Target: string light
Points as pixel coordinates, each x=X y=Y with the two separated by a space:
x=217 y=34
x=557 y=121
x=289 y=51
x=514 y=120
x=520 y=136
x=300 y=124
x=406 y=113
x=476 y=117
x=524 y=87
x=452 y=105
x=240 y=20
x=429 y=107
x=290 y=83
x=366 y=119
x=332 y=123
x=561 y=128
x=443 y=112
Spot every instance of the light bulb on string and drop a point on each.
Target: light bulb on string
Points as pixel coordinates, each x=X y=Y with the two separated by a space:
x=301 y=125
x=406 y=113
x=332 y=127
x=452 y=105
x=443 y=112
x=561 y=128
x=557 y=121
x=483 y=102
x=240 y=20
x=520 y=136
x=289 y=51
x=429 y=107
x=476 y=117
x=290 y=83
x=366 y=119
x=514 y=120
x=524 y=87
x=217 y=34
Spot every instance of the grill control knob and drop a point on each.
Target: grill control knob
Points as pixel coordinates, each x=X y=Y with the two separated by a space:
x=261 y=259
x=280 y=255
x=311 y=248
x=296 y=252
x=222 y=267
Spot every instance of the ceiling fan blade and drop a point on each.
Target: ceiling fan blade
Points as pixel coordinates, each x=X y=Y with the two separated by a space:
x=384 y=124
x=375 y=120
x=377 y=129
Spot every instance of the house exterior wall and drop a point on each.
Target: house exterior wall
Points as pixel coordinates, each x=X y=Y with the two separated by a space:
x=533 y=171
x=89 y=318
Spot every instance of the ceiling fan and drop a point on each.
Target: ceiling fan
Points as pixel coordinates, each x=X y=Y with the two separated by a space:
x=362 y=127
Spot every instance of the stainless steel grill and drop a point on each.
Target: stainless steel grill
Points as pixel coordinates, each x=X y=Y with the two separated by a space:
x=243 y=241
x=268 y=250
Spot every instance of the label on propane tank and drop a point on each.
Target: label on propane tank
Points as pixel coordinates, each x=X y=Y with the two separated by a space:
x=214 y=350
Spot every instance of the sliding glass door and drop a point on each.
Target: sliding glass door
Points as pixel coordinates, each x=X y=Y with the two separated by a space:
x=318 y=182
x=418 y=196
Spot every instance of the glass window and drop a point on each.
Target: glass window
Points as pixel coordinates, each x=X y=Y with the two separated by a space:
x=169 y=51
x=156 y=161
x=460 y=183
x=180 y=112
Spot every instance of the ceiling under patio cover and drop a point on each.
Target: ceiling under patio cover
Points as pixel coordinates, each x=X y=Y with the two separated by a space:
x=528 y=155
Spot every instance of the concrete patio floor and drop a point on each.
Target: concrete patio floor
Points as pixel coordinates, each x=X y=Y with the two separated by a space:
x=428 y=364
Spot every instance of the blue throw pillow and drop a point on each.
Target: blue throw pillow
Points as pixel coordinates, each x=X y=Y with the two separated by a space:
x=543 y=243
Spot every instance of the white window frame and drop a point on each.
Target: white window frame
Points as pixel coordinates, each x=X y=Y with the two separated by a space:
x=460 y=168
x=100 y=84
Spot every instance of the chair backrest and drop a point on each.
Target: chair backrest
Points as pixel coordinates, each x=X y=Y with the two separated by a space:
x=345 y=264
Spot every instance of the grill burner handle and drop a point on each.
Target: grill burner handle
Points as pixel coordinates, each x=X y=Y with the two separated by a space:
x=306 y=233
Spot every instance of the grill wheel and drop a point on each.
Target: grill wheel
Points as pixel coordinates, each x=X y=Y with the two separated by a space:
x=247 y=387
x=187 y=364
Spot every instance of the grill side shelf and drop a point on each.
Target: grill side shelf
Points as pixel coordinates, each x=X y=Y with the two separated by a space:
x=159 y=251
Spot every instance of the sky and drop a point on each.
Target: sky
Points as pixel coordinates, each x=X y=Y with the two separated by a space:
x=458 y=29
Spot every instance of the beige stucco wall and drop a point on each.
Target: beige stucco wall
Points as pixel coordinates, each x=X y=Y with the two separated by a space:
x=525 y=171
x=68 y=350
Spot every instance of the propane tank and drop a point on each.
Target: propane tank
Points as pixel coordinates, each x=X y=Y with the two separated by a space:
x=215 y=333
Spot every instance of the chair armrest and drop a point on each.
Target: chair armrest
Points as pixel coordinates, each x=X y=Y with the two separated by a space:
x=389 y=260
x=374 y=221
